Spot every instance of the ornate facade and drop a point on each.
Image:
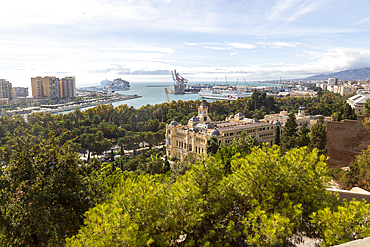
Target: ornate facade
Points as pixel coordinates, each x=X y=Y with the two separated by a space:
x=184 y=139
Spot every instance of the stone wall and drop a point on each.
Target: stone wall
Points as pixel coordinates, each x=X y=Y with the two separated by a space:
x=346 y=139
x=357 y=243
x=350 y=195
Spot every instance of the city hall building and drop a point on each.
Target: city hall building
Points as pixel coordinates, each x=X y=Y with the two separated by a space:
x=184 y=139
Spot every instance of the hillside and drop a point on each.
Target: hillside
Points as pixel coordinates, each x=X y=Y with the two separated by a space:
x=351 y=74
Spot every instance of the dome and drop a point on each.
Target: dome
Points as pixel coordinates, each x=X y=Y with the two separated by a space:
x=203 y=105
x=191 y=130
x=239 y=114
x=194 y=119
x=231 y=116
x=302 y=108
x=174 y=123
x=215 y=132
x=277 y=123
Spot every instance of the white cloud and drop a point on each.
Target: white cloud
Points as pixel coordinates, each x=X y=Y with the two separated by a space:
x=144 y=48
x=280 y=44
x=291 y=10
x=186 y=43
x=238 y=45
x=217 y=48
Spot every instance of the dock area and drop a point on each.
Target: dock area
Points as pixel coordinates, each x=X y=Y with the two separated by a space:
x=89 y=103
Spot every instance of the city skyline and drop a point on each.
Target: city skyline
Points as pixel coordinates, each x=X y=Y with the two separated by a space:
x=203 y=40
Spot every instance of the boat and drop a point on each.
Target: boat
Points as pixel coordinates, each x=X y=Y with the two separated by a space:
x=116 y=85
x=221 y=94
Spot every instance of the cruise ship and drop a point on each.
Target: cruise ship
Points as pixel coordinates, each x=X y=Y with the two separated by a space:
x=116 y=85
x=222 y=94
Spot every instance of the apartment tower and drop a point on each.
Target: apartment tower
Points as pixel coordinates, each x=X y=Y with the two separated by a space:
x=68 y=87
x=6 y=89
x=45 y=87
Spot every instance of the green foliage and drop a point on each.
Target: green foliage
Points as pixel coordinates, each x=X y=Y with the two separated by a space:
x=344 y=112
x=43 y=191
x=264 y=199
x=359 y=172
x=318 y=136
x=288 y=138
x=367 y=106
x=212 y=145
x=277 y=136
x=348 y=222
x=303 y=138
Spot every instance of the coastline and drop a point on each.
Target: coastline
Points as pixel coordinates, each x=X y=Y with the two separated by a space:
x=90 y=104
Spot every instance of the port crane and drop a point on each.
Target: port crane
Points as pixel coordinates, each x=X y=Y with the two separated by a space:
x=179 y=82
x=168 y=98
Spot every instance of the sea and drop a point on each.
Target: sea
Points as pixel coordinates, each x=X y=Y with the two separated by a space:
x=154 y=93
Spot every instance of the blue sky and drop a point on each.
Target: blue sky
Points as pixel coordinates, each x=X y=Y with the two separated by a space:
x=142 y=41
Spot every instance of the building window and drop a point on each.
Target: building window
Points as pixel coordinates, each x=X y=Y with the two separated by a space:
x=190 y=147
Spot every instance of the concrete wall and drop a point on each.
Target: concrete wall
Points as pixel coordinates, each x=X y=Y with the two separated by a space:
x=357 y=243
x=349 y=195
x=346 y=139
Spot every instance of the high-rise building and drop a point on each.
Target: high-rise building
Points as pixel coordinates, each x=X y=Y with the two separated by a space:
x=333 y=81
x=37 y=87
x=51 y=87
x=46 y=87
x=6 y=89
x=20 y=92
x=68 y=87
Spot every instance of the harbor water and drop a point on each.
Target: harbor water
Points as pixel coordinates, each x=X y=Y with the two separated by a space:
x=154 y=93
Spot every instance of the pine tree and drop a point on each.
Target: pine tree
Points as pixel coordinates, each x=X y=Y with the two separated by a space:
x=288 y=138
x=111 y=155
x=212 y=145
x=318 y=136
x=277 y=136
x=303 y=138
x=348 y=112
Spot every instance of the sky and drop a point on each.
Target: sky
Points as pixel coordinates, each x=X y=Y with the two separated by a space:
x=204 y=40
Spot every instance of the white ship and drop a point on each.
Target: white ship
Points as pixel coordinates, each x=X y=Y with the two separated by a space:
x=222 y=94
x=116 y=85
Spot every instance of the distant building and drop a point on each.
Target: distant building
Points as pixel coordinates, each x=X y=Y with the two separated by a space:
x=333 y=81
x=6 y=89
x=52 y=87
x=20 y=92
x=282 y=117
x=358 y=101
x=192 y=138
x=342 y=90
x=322 y=85
x=68 y=87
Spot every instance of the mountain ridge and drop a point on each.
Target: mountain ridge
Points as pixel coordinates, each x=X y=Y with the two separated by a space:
x=349 y=74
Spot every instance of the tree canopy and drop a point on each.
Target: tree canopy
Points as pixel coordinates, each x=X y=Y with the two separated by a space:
x=263 y=200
